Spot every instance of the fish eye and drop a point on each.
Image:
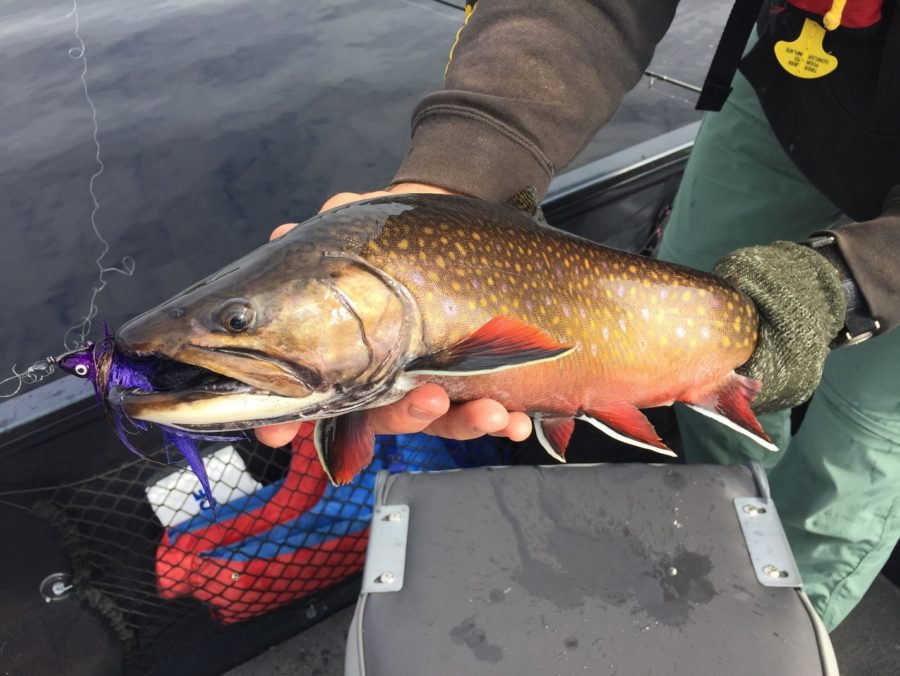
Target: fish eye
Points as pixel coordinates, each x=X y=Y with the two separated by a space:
x=81 y=370
x=237 y=317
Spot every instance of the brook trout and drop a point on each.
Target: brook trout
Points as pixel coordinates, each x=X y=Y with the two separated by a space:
x=355 y=307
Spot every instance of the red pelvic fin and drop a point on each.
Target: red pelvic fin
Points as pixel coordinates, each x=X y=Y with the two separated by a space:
x=501 y=343
x=345 y=445
x=626 y=423
x=729 y=403
x=554 y=435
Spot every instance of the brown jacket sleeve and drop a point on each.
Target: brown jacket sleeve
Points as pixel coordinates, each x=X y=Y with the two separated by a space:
x=529 y=84
x=872 y=253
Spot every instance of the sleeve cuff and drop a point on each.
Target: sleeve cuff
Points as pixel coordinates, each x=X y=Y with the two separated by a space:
x=472 y=153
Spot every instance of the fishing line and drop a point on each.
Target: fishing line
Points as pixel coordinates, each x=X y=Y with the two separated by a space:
x=76 y=335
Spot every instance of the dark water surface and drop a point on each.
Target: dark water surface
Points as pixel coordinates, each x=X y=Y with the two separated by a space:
x=217 y=120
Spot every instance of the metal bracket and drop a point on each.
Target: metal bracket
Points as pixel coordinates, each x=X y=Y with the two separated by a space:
x=386 y=554
x=770 y=553
x=56 y=587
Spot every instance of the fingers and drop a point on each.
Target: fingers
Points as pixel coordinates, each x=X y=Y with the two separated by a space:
x=343 y=198
x=418 y=409
x=281 y=230
x=277 y=435
x=427 y=409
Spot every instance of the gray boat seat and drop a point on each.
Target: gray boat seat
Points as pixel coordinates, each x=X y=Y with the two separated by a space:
x=631 y=570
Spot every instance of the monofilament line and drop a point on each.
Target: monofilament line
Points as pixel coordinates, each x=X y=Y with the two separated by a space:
x=76 y=335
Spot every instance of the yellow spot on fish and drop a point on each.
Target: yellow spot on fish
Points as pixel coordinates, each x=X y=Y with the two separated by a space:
x=403 y=244
x=494 y=298
x=702 y=293
x=686 y=296
x=693 y=342
x=429 y=296
x=701 y=310
x=432 y=275
x=374 y=248
x=428 y=230
x=441 y=263
x=555 y=320
x=460 y=248
x=451 y=255
x=737 y=325
x=663 y=341
x=476 y=236
x=632 y=268
x=726 y=341
x=483 y=302
x=456 y=286
x=472 y=305
x=632 y=292
x=445 y=241
x=729 y=305
x=646 y=282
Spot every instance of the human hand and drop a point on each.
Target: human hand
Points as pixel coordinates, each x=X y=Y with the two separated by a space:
x=427 y=408
x=801 y=306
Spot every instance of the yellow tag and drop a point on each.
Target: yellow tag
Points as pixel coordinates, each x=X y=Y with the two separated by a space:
x=805 y=57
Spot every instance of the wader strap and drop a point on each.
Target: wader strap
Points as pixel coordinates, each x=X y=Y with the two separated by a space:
x=717 y=85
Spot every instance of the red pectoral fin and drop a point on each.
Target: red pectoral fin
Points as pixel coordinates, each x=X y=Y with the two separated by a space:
x=554 y=435
x=345 y=445
x=626 y=423
x=501 y=343
x=729 y=403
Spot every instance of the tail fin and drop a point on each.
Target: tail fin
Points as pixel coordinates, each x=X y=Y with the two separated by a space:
x=729 y=403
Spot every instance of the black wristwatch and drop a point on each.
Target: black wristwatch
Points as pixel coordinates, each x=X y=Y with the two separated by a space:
x=859 y=324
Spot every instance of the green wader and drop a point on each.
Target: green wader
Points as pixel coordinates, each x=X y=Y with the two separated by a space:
x=837 y=482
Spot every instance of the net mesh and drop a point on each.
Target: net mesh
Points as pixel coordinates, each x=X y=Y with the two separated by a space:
x=164 y=570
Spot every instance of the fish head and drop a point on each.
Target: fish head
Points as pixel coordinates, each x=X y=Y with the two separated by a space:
x=292 y=331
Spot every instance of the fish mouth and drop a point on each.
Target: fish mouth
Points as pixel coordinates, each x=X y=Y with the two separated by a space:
x=196 y=398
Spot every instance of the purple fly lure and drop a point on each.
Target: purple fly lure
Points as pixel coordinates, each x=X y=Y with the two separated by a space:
x=107 y=369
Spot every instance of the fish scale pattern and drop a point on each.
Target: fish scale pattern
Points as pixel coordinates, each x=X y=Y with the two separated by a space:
x=636 y=321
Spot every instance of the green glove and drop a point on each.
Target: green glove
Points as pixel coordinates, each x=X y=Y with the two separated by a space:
x=801 y=307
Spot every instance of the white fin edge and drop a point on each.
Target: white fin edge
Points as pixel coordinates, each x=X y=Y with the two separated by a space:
x=628 y=440
x=317 y=442
x=539 y=431
x=768 y=445
x=482 y=372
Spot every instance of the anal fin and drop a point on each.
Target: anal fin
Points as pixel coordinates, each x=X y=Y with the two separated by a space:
x=554 y=435
x=627 y=424
x=729 y=404
x=345 y=445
